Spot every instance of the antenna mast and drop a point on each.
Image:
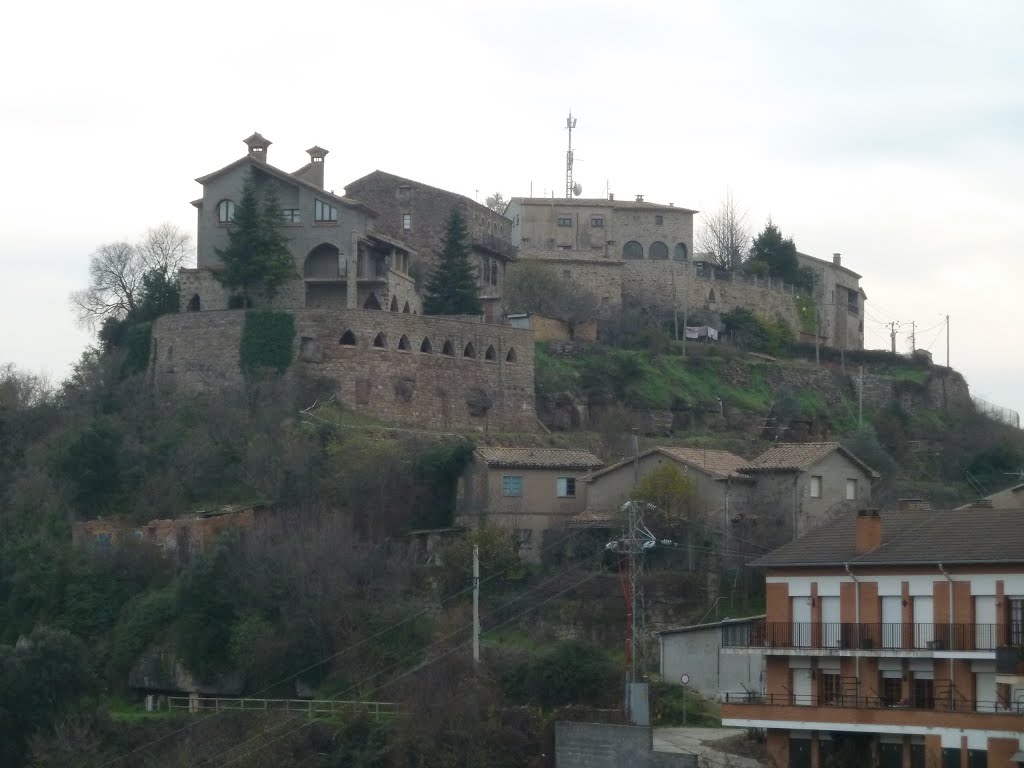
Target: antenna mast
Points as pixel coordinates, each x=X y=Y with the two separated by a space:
x=570 y=123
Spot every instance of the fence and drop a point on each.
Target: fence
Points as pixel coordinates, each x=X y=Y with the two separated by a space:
x=997 y=412
x=950 y=703
x=310 y=707
x=931 y=637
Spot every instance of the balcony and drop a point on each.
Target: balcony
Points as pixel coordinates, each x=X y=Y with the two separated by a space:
x=746 y=709
x=495 y=245
x=824 y=638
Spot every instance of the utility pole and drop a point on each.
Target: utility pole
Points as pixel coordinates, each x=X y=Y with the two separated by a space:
x=817 y=319
x=860 y=400
x=913 y=336
x=893 y=326
x=476 y=604
x=633 y=551
x=947 y=341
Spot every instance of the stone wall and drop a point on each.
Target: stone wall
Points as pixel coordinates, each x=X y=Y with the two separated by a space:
x=598 y=745
x=486 y=382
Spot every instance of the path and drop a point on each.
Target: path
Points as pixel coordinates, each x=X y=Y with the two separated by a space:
x=701 y=741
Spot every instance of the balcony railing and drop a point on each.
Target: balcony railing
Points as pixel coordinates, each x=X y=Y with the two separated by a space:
x=941 y=703
x=842 y=635
x=496 y=245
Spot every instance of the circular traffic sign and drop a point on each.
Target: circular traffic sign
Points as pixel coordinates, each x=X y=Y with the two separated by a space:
x=684 y=678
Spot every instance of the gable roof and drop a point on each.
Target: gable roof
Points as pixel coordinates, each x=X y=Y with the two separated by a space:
x=403 y=181
x=718 y=464
x=289 y=178
x=924 y=537
x=538 y=458
x=795 y=457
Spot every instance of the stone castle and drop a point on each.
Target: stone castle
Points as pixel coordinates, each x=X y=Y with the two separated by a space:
x=360 y=259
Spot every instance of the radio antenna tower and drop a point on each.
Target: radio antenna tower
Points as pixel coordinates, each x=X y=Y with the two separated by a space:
x=570 y=123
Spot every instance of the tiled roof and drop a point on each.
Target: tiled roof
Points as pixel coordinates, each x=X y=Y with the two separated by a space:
x=539 y=458
x=797 y=456
x=599 y=202
x=718 y=464
x=713 y=625
x=912 y=538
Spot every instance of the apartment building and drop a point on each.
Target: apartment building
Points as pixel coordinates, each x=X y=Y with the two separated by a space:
x=892 y=639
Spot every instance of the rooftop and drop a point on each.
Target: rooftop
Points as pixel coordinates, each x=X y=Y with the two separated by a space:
x=798 y=456
x=600 y=202
x=712 y=625
x=718 y=464
x=538 y=458
x=923 y=537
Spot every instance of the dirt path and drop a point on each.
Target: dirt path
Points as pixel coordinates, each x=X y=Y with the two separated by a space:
x=701 y=742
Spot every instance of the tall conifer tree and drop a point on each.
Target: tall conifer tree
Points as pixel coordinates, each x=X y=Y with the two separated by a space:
x=451 y=287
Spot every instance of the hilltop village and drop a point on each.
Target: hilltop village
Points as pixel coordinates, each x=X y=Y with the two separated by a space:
x=424 y=535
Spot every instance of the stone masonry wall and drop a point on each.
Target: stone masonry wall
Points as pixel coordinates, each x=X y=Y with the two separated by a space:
x=485 y=383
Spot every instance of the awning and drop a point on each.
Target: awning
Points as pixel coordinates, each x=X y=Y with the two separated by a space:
x=1018 y=758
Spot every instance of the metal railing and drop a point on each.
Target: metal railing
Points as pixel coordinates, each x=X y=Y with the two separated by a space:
x=310 y=707
x=881 y=636
x=935 y=703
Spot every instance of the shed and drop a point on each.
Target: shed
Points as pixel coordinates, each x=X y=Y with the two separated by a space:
x=696 y=651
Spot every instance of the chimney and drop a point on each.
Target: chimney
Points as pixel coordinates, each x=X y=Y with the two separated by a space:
x=869 y=531
x=639 y=198
x=611 y=195
x=316 y=160
x=837 y=259
x=257 y=147
x=913 y=505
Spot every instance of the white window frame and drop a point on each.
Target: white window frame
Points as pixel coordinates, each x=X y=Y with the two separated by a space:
x=851 y=488
x=565 y=487
x=816 y=487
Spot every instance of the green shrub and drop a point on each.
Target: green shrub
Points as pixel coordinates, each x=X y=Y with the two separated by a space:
x=572 y=672
x=267 y=340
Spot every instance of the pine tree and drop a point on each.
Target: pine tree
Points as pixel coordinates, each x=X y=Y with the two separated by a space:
x=257 y=254
x=451 y=287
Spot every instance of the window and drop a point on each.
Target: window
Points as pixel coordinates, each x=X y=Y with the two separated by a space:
x=324 y=212
x=406 y=221
x=815 y=486
x=658 y=250
x=565 y=221
x=831 y=688
x=566 y=487
x=597 y=221
x=566 y=274
x=225 y=211
x=632 y=250
x=659 y=220
x=1016 y=621
x=892 y=690
x=291 y=216
x=511 y=485
x=682 y=253
x=404 y=193
x=851 y=488
x=924 y=693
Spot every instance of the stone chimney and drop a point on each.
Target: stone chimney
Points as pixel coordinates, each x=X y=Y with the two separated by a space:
x=316 y=160
x=837 y=259
x=639 y=198
x=869 y=531
x=913 y=505
x=257 y=147
x=611 y=195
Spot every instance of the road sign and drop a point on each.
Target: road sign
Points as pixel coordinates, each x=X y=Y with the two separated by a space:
x=684 y=679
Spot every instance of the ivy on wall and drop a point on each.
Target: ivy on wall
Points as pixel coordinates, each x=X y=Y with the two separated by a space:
x=805 y=310
x=267 y=341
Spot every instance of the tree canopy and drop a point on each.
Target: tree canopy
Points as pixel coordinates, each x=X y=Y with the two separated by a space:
x=778 y=253
x=451 y=288
x=532 y=286
x=257 y=253
x=725 y=235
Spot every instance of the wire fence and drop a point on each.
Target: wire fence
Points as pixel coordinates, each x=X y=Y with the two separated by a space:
x=997 y=412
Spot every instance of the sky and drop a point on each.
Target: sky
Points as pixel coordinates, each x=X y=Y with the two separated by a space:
x=891 y=132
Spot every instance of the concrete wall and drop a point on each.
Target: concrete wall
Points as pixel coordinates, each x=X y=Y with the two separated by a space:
x=481 y=500
x=697 y=654
x=199 y=352
x=596 y=745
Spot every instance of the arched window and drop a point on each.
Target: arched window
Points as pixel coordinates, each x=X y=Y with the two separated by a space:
x=225 y=211
x=682 y=253
x=403 y=343
x=658 y=250
x=323 y=261
x=405 y=309
x=426 y=346
x=348 y=339
x=469 y=351
x=193 y=304
x=380 y=341
x=394 y=303
x=711 y=295
x=511 y=356
x=490 y=354
x=371 y=302
x=448 y=348
x=632 y=250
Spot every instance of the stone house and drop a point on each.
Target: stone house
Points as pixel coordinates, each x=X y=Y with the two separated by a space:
x=531 y=490
x=416 y=213
x=341 y=261
x=840 y=301
x=547 y=328
x=800 y=486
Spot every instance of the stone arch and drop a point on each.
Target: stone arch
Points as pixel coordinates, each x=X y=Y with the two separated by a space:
x=194 y=305
x=511 y=356
x=348 y=339
x=470 y=350
x=323 y=262
x=632 y=250
x=711 y=295
x=426 y=346
x=682 y=253
x=394 y=303
x=658 y=251
x=405 y=309
x=491 y=354
x=371 y=302
x=380 y=341
x=448 y=348
x=403 y=343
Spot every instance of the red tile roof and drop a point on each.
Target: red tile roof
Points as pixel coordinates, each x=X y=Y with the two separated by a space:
x=539 y=458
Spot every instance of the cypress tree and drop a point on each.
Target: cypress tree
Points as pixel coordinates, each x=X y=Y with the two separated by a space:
x=451 y=287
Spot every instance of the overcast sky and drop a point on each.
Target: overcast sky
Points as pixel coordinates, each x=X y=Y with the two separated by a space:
x=892 y=132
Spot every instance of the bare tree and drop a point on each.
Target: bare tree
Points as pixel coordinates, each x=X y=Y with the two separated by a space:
x=116 y=272
x=726 y=236
x=496 y=202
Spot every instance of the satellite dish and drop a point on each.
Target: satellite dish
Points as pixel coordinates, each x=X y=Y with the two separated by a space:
x=577 y=189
